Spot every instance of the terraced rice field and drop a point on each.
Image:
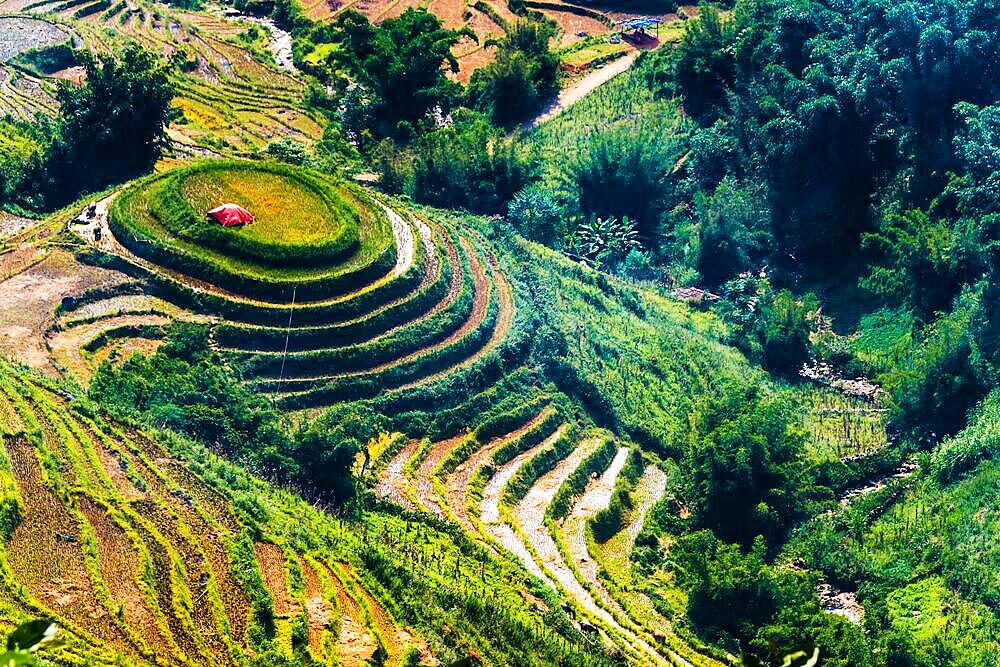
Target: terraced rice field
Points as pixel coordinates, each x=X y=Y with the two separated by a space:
x=415 y=315
x=390 y=304
x=499 y=488
x=144 y=558
x=230 y=101
x=18 y=35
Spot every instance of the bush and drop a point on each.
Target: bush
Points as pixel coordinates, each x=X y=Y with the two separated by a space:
x=470 y=165
x=536 y=214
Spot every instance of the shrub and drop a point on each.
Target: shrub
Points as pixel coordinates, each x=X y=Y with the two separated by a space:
x=536 y=214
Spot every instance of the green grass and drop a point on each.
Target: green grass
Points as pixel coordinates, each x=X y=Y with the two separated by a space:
x=627 y=103
x=320 y=53
x=286 y=211
x=838 y=426
x=603 y=51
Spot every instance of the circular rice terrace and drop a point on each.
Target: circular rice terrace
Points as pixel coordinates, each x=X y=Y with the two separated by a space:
x=309 y=233
x=329 y=295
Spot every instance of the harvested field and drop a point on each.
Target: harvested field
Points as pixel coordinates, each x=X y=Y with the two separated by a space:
x=18 y=35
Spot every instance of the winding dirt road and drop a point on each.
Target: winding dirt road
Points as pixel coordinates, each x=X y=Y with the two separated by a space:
x=582 y=87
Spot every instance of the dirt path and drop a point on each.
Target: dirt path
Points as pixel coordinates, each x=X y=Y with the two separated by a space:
x=579 y=89
x=395 y=638
x=425 y=473
x=128 y=304
x=530 y=516
x=317 y=610
x=489 y=508
x=650 y=489
x=431 y=273
x=458 y=481
x=476 y=318
x=480 y=308
x=392 y=483
x=355 y=645
x=596 y=498
x=280 y=44
x=503 y=324
x=404 y=241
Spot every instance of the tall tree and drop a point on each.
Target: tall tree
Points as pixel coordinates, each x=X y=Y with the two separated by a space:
x=113 y=127
x=523 y=77
x=402 y=63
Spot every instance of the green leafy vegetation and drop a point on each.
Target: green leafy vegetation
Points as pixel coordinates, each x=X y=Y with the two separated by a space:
x=108 y=130
x=715 y=378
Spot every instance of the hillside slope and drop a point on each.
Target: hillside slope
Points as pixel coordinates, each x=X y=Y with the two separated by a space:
x=507 y=377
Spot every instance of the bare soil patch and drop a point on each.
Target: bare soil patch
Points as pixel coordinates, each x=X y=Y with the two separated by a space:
x=11 y=225
x=29 y=299
x=392 y=482
x=272 y=567
x=355 y=645
x=19 y=34
x=67 y=346
x=316 y=609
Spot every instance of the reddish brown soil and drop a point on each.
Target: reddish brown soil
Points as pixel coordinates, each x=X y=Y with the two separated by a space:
x=272 y=567
x=458 y=481
x=425 y=473
x=119 y=563
x=317 y=609
x=43 y=558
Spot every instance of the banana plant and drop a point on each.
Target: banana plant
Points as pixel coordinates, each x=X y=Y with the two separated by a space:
x=26 y=640
x=800 y=658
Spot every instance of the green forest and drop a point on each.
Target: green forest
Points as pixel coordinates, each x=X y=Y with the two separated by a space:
x=563 y=333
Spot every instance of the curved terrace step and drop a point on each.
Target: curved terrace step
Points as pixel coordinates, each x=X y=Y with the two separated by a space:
x=530 y=517
x=483 y=292
x=457 y=483
x=489 y=507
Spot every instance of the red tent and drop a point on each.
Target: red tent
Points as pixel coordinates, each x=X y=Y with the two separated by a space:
x=231 y=215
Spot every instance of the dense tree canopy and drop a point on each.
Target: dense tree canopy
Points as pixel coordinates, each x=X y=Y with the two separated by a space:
x=113 y=127
x=110 y=129
x=187 y=388
x=401 y=64
x=744 y=466
x=522 y=79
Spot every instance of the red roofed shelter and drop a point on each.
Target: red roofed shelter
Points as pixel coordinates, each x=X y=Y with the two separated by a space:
x=231 y=215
